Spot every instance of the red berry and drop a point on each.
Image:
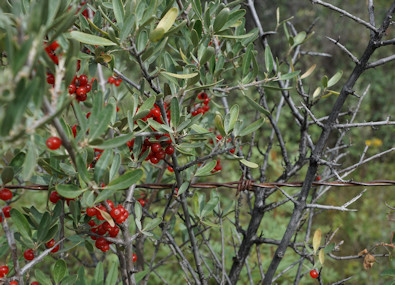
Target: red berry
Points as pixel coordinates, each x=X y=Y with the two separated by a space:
x=115 y=213
x=54 y=197
x=81 y=91
x=83 y=80
x=50 y=244
x=232 y=150
x=110 y=203
x=314 y=274
x=91 y=212
x=50 y=78
x=154 y=160
x=56 y=249
x=134 y=257
x=53 y=143
x=28 y=254
x=88 y=87
x=6 y=211
x=202 y=96
x=74 y=130
x=5 y=194
x=206 y=101
x=155 y=113
x=142 y=202
x=105 y=248
x=117 y=82
x=35 y=283
x=106 y=226
x=160 y=154
x=81 y=98
x=195 y=113
x=13 y=283
x=113 y=231
x=170 y=169
x=92 y=223
x=169 y=150
x=4 y=271
x=101 y=230
x=155 y=147
x=318 y=178
x=88 y=115
x=206 y=108
x=1 y=218
x=100 y=242
x=111 y=80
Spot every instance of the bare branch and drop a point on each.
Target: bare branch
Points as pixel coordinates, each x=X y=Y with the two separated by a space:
x=345 y=13
x=381 y=61
x=343 y=48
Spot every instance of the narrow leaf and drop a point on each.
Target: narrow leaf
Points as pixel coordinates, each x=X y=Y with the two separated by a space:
x=126 y=180
x=21 y=223
x=252 y=127
x=335 y=78
x=113 y=143
x=206 y=169
x=249 y=163
x=257 y=107
x=70 y=191
x=317 y=240
x=152 y=224
x=308 y=72
x=91 y=39
x=268 y=59
x=175 y=112
x=289 y=75
x=180 y=76
x=231 y=118
x=219 y=125
x=168 y=19
x=221 y=19
x=119 y=12
x=101 y=165
x=321 y=256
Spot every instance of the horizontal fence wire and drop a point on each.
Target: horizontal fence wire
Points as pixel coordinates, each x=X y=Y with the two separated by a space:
x=241 y=185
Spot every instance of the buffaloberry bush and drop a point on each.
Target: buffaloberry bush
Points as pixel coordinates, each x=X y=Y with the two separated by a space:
x=139 y=137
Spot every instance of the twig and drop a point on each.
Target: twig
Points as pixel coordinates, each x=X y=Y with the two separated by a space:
x=345 y=13
x=343 y=48
x=381 y=61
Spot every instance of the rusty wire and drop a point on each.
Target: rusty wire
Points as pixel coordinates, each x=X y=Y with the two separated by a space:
x=241 y=185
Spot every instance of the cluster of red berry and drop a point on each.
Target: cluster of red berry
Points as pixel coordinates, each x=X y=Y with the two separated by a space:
x=80 y=86
x=202 y=107
x=157 y=151
x=50 y=244
x=118 y=213
x=115 y=81
x=5 y=195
